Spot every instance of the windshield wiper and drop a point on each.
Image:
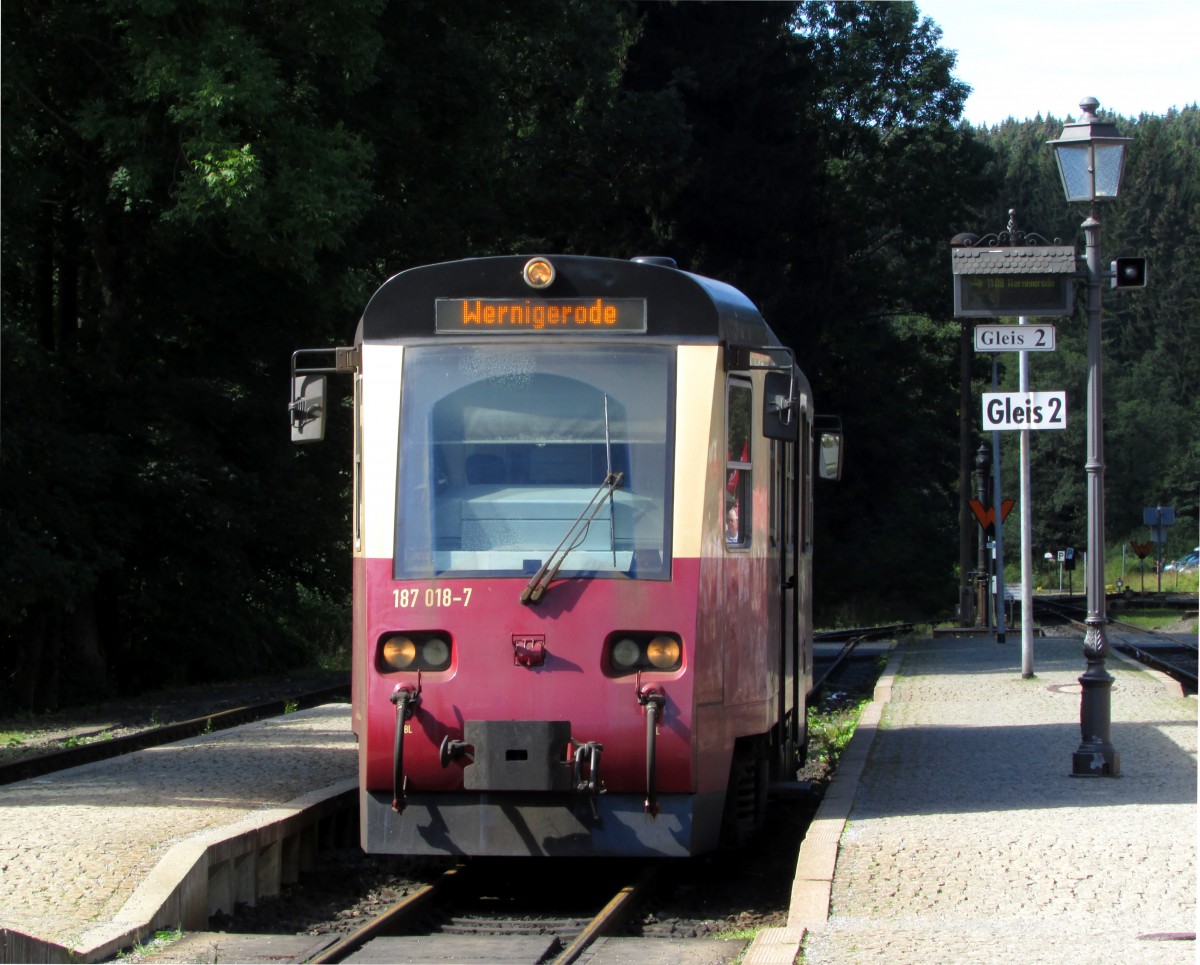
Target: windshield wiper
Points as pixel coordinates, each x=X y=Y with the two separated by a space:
x=546 y=572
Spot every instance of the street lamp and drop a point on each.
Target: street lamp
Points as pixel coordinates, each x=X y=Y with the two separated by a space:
x=1091 y=160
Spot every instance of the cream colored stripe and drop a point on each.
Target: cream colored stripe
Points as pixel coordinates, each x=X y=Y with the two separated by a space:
x=382 y=365
x=695 y=382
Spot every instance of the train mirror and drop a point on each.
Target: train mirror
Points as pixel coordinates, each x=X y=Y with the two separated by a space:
x=779 y=408
x=829 y=459
x=307 y=410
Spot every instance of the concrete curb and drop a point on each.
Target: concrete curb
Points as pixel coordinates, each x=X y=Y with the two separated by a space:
x=815 y=865
x=210 y=872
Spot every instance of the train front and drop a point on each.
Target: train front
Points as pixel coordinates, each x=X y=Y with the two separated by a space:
x=528 y=528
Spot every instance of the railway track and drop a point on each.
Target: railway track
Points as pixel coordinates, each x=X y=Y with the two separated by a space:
x=473 y=913
x=488 y=910
x=850 y=640
x=105 y=748
x=1171 y=653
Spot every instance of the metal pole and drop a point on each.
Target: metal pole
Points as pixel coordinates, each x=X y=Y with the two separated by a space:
x=966 y=593
x=1158 y=547
x=1026 y=531
x=982 y=615
x=1096 y=756
x=998 y=512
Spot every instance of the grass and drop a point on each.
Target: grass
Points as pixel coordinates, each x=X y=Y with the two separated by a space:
x=156 y=944
x=737 y=934
x=1147 y=619
x=830 y=730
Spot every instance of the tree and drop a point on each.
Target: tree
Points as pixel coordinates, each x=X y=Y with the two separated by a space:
x=1150 y=338
x=824 y=174
x=192 y=192
x=172 y=179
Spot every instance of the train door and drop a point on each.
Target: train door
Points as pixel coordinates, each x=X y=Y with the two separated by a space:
x=784 y=538
x=786 y=426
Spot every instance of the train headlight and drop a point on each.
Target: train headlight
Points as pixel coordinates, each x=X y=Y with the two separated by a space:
x=435 y=653
x=625 y=654
x=398 y=652
x=633 y=651
x=663 y=652
x=427 y=650
x=538 y=273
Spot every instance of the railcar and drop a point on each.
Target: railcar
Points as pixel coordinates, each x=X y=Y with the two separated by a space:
x=582 y=532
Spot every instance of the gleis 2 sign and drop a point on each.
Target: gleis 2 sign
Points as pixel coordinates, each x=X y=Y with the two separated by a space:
x=1024 y=410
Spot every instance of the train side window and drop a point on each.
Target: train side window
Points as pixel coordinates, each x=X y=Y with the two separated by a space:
x=738 y=423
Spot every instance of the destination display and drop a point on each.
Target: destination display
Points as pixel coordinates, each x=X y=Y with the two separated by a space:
x=1001 y=295
x=1014 y=338
x=1024 y=410
x=576 y=316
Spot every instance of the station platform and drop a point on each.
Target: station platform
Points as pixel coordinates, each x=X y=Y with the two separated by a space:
x=99 y=857
x=953 y=831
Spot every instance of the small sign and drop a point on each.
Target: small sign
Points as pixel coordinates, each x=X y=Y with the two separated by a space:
x=1014 y=338
x=987 y=516
x=1011 y=280
x=995 y=295
x=1024 y=410
x=537 y=316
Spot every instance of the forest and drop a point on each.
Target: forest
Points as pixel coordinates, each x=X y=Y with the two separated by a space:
x=191 y=191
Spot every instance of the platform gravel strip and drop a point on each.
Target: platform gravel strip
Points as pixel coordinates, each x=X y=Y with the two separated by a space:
x=76 y=846
x=968 y=841
x=815 y=864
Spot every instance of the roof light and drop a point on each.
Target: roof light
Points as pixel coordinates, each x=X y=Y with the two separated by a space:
x=538 y=273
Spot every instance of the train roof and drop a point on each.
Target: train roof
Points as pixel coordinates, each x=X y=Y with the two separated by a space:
x=678 y=303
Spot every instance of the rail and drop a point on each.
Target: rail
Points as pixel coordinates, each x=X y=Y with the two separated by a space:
x=459 y=881
x=393 y=917
x=852 y=639
x=1133 y=640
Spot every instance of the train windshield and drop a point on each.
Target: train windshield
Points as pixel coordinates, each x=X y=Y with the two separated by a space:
x=503 y=446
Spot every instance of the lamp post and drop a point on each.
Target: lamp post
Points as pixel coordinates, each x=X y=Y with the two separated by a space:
x=1091 y=160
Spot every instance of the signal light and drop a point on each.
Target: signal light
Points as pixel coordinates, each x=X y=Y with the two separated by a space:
x=1129 y=273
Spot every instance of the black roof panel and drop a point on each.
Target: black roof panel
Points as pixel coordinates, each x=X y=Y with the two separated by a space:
x=678 y=303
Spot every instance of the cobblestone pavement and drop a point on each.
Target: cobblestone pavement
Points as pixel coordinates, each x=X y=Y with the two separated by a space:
x=75 y=845
x=968 y=841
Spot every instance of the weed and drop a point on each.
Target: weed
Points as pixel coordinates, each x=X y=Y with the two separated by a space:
x=736 y=934
x=155 y=944
x=291 y=707
x=830 y=730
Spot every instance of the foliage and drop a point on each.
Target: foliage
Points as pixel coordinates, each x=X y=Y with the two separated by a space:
x=1150 y=340
x=190 y=192
x=830 y=729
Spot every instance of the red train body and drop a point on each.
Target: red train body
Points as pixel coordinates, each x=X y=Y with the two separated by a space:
x=582 y=531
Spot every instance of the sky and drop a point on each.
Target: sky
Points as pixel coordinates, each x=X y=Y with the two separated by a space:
x=1025 y=57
